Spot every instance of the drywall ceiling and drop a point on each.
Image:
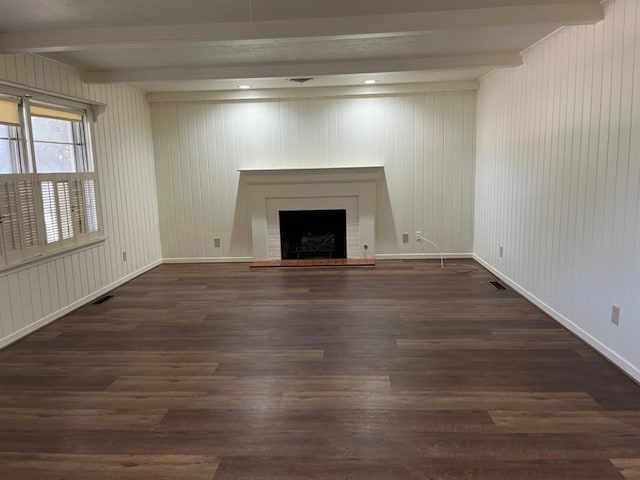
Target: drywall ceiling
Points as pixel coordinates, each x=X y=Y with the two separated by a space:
x=164 y=45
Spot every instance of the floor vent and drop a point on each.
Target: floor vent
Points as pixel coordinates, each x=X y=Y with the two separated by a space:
x=101 y=300
x=497 y=285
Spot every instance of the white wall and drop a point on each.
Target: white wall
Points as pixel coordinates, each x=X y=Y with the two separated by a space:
x=33 y=295
x=425 y=141
x=558 y=178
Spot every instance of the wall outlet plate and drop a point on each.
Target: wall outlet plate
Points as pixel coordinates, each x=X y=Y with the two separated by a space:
x=501 y=251
x=615 y=315
x=217 y=242
x=405 y=238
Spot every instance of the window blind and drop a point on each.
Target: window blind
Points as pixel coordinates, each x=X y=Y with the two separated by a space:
x=9 y=112
x=19 y=229
x=41 y=111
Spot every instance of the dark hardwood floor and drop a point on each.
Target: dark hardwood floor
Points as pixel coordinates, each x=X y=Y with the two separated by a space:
x=402 y=371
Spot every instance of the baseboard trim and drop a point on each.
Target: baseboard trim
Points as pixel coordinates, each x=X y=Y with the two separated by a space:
x=209 y=260
x=421 y=256
x=618 y=360
x=382 y=256
x=23 y=332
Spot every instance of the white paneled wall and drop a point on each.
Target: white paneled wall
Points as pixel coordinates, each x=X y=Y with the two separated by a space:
x=558 y=178
x=32 y=295
x=425 y=141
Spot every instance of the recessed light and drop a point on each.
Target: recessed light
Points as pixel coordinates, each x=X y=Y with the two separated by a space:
x=369 y=82
x=244 y=87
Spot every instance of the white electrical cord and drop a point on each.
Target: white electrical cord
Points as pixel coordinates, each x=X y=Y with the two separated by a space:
x=470 y=268
x=434 y=244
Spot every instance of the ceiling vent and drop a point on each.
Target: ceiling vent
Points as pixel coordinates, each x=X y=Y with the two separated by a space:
x=300 y=79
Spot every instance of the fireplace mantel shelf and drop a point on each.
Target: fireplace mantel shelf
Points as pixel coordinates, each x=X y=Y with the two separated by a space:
x=312 y=174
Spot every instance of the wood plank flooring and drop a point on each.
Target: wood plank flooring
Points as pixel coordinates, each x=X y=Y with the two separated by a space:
x=402 y=371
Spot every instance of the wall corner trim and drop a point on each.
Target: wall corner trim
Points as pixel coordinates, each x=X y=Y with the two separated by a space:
x=618 y=360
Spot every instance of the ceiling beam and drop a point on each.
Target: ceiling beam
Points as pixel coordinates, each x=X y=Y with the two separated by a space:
x=348 y=90
x=76 y=39
x=273 y=70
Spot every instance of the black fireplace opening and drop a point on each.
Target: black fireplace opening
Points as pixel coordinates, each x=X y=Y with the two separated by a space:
x=313 y=234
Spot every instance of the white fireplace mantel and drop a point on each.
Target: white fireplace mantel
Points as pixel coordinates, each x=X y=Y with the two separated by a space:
x=318 y=174
x=350 y=188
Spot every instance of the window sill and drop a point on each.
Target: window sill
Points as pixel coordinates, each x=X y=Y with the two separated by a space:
x=39 y=260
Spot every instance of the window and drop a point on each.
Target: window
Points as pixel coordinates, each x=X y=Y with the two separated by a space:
x=9 y=136
x=48 y=182
x=59 y=141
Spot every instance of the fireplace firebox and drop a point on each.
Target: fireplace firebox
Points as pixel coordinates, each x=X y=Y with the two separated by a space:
x=313 y=234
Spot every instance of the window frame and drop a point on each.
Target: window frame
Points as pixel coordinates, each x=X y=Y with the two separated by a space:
x=79 y=137
x=80 y=189
x=19 y=164
x=15 y=144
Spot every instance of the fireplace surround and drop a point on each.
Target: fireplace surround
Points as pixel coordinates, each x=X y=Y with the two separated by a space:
x=352 y=189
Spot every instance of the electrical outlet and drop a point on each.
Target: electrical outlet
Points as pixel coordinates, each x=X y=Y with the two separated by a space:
x=418 y=235
x=217 y=242
x=405 y=238
x=124 y=256
x=501 y=251
x=615 y=315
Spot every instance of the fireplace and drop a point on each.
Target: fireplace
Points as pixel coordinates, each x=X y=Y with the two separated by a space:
x=348 y=189
x=313 y=234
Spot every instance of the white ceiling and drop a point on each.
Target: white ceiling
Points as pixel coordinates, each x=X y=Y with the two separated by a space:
x=169 y=45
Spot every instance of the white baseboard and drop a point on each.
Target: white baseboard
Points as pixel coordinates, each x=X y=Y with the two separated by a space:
x=618 y=360
x=421 y=256
x=14 y=337
x=209 y=260
x=382 y=256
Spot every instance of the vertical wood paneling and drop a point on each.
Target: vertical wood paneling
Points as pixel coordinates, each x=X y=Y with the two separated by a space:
x=124 y=154
x=425 y=141
x=558 y=175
